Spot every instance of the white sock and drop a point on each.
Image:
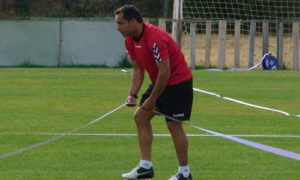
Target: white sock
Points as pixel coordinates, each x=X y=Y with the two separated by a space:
x=145 y=164
x=185 y=170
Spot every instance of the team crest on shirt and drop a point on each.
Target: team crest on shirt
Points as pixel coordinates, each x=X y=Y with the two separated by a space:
x=156 y=53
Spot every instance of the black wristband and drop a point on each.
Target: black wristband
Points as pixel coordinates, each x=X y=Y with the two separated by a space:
x=133 y=95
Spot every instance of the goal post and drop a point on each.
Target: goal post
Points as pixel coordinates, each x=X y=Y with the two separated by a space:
x=177 y=21
x=252 y=27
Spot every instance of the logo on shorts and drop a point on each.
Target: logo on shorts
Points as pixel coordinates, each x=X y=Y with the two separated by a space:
x=178 y=115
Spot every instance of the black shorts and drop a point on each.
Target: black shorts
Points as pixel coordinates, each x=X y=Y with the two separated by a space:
x=175 y=101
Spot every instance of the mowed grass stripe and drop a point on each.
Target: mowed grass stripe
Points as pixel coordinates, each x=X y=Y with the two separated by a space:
x=59 y=100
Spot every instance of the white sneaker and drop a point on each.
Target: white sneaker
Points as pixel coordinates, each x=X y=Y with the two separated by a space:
x=179 y=176
x=139 y=173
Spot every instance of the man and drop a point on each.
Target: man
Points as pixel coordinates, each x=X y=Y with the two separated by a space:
x=152 y=49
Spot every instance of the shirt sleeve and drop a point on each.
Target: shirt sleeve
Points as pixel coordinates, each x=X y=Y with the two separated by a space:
x=129 y=49
x=160 y=49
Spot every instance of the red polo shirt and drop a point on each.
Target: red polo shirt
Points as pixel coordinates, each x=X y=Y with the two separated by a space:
x=156 y=45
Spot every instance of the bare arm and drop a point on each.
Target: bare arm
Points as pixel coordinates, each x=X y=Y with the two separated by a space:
x=137 y=77
x=136 y=82
x=160 y=84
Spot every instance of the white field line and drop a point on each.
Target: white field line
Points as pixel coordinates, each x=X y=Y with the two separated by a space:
x=60 y=136
x=206 y=92
x=263 y=147
x=244 y=103
x=256 y=106
x=271 y=149
x=249 y=143
x=158 y=135
x=234 y=100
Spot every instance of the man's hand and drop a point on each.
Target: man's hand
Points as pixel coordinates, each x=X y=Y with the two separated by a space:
x=131 y=101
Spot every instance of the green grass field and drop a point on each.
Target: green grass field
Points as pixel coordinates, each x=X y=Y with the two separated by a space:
x=53 y=100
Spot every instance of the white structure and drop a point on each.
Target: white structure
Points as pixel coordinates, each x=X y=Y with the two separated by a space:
x=59 y=42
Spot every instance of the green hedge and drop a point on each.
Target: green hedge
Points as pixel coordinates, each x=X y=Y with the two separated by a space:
x=79 y=8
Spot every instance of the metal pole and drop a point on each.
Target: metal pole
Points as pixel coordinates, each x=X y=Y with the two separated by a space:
x=60 y=44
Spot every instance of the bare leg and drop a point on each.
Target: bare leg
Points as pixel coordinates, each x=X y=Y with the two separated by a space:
x=142 y=119
x=180 y=142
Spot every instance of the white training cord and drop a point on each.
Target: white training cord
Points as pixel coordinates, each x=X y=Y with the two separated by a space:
x=58 y=137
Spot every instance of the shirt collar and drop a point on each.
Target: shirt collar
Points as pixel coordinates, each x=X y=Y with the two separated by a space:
x=140 y=37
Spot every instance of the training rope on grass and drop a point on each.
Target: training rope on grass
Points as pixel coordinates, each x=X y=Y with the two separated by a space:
x=59 y=137
x=244 y=103
x=234 y=100
x=256 y=145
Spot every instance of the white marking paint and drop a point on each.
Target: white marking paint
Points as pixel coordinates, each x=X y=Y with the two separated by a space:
x=58 y=137
x=244 y=103
x=158 y=135
x=263 y=147
x=256 y=106
x=206 y=92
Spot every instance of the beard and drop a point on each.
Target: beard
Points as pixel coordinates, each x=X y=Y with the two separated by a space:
x=124 y=34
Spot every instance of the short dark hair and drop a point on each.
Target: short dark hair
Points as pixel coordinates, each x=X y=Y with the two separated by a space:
x=130 y=12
